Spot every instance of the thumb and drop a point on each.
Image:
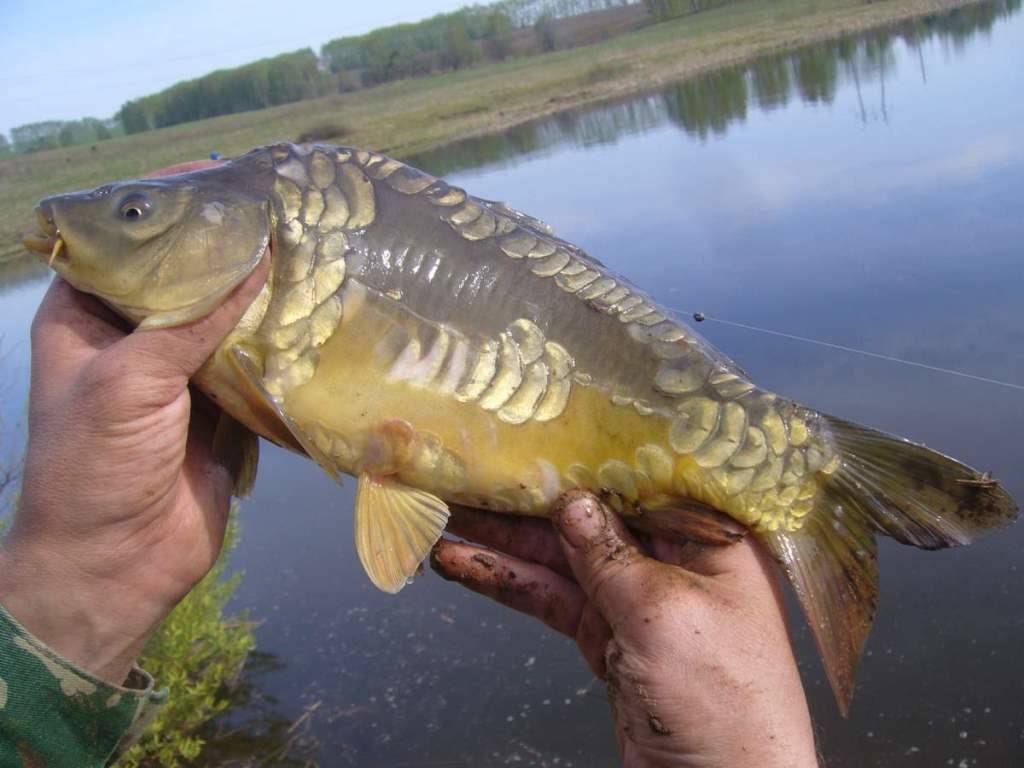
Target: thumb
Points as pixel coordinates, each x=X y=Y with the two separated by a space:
x=175 y=354
x=604 y=557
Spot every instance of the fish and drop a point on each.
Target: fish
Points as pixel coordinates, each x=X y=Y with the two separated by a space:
x=446 y=349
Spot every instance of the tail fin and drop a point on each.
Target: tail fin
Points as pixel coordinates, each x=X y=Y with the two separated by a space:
x=883 y=485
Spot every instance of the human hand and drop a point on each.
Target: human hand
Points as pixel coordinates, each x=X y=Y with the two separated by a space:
x=692 y=645
x=123 y=504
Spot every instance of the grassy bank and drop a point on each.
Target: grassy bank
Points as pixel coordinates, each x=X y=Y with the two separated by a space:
x=413 y=115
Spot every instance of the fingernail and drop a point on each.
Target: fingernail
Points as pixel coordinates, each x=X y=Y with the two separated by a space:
x=581 y=521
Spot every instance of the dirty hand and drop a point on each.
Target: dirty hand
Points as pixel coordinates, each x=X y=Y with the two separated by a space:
x=692 y=645
x=123 y=505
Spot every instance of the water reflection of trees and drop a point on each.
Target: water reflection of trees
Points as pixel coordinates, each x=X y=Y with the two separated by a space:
x=253 y=733
x=771 y=82
x=709 y=104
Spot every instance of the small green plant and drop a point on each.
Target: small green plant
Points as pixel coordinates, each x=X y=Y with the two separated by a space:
x=198 y=654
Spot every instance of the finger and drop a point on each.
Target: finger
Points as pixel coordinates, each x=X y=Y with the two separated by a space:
x=526 y=587
x=707 y=559
x=69 y=319
x=69 y=328
x=633 y=710
x=592 y=636
x=211 y=482
x=688 y=554
x=530 y=539
x=604 y=558
x=174 y=354
x=747 y=566
x=619 y=714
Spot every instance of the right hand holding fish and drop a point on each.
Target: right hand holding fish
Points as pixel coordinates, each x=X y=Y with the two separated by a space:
x=696 y=658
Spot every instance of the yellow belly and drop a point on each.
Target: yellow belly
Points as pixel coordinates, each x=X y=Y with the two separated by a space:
x=368 y=420
x=462 y=451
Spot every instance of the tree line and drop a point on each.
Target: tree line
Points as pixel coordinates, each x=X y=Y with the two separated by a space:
x=446 y=41
x=51 y=134
x=526 y=13
x=264 y=83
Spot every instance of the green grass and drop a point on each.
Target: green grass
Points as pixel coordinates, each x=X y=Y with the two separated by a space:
x=412 y=115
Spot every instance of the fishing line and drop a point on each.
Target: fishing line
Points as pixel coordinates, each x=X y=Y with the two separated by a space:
x=701 y=317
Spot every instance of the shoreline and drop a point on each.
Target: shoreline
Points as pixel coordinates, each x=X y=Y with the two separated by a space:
x=648 y=77
x=412 y=116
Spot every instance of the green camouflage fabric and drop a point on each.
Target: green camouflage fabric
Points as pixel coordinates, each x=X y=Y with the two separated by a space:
x=53 y=714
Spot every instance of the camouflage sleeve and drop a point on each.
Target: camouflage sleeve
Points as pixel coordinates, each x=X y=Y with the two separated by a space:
x=55 y=715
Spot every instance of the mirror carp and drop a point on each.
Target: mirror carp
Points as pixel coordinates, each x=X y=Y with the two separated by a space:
x=446 y=349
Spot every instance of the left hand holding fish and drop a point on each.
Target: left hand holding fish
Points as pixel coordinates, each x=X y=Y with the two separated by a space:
x=123 y=505
x=696 y=658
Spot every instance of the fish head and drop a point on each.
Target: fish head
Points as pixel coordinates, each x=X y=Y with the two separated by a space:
x=162 y=251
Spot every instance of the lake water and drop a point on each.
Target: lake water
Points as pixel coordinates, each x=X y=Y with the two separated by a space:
x=866 y=193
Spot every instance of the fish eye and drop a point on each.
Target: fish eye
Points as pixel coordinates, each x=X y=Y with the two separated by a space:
x=134 y=207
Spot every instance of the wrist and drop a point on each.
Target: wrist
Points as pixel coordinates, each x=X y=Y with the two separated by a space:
x=91 y=624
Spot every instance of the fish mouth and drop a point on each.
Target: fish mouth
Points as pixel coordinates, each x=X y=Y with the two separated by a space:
x=48 y=240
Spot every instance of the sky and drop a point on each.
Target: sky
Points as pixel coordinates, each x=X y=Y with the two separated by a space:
x=66 y=59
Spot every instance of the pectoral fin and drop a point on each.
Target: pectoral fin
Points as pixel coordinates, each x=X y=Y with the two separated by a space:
x=396 y=526
x=238 y=450
x=247 y=368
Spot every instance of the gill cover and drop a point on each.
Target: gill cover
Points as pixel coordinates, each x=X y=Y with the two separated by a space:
x=163 y=251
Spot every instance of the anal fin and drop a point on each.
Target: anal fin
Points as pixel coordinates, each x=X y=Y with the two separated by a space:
x=395 y=527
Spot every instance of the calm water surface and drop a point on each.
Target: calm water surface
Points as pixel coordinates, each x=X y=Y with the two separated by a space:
x=867 y=193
